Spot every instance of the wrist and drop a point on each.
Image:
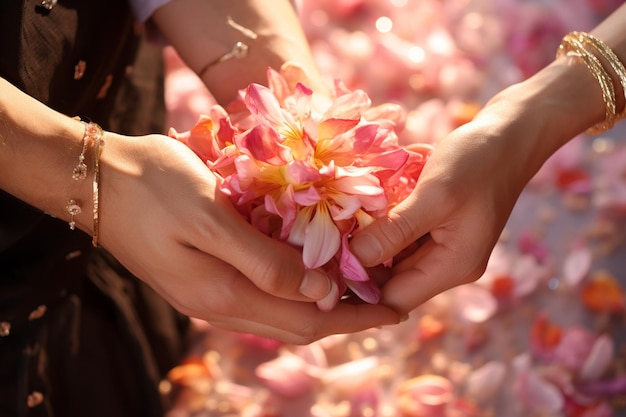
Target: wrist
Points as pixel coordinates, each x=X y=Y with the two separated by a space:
x=539 y=115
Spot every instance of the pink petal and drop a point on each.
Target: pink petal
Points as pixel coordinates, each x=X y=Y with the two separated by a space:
x=389 y=111
x=367 y=291
x=349 y=265
x=331 y=128
x=427 y=395
x=598 y=360
x=262 y=103
x=286 y=375
x=300 y=172
x=474 y=303
x=351 y=376
x=537 y=394
x=527 y=273
x=361 y=185
x=308 y=197
x=322 y=240
x=303 y=101
x=576 y=265
x=533 y=245
x=345 y=207
x=393 y=159
x=286 y=208
x=349 y=106
x=277 y=83
x=576 y=343
x=200 y=139
x=483 y=383
x=297 y=234
x=264 y=144
x=364 y=136
x=247 y=171
x=363 y=219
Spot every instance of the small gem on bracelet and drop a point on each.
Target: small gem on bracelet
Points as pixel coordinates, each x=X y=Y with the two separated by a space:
x=73 y=209
x=48 y=4
x=80 y=171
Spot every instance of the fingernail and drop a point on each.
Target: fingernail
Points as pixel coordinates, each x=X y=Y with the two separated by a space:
x=315 y=285
x=331 y=299
x=367 y=248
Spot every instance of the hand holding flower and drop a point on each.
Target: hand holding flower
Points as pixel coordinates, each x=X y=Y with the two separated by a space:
x=310 y=170
x=184 y=238
x=471 y=183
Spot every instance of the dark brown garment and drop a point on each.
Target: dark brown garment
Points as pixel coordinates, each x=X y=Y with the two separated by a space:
x=79 y=336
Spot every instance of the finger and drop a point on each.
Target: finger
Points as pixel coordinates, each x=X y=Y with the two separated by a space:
x=429 y=272
x=221 y=295
x=309 y=324
x=299 y=322
x=273 y=266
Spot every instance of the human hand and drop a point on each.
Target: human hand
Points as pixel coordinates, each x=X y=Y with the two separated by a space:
x=442 y=235
x=163 y=217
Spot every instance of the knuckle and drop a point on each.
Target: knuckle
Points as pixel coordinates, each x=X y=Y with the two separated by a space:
x=275 y=277
x=306 y=335
x=400 y=231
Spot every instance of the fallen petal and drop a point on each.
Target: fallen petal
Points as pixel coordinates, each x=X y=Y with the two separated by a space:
x=598 y=360
x=425 y=396
x=483 y=383
x=603 y=294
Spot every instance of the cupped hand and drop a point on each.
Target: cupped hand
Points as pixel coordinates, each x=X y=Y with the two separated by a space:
x=163 y=217
x=442 y=235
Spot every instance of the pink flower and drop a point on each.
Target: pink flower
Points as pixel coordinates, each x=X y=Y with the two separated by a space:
x=309 y=170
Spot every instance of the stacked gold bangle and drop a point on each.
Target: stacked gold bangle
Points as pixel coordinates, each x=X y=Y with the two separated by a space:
x=95 y=135
x=98 y=144
x=577 y=44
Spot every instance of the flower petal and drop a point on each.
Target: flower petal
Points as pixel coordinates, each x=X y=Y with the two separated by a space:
x=330 y=128
x=322 y=240
x=349 y=106
x=598 y=360
x=264 y=144
x=297 y=234
x=349 y=265
x=285 y=208
x=262 y=103
x=367 y=291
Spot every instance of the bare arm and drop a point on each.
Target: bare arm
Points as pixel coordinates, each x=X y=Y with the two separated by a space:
x=200 y=32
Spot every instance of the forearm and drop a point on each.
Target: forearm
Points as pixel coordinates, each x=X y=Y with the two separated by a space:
x=563 y=100
x=200 y=33
x=38 y=150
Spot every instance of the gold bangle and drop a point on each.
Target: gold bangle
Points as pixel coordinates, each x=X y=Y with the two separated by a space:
x=98 y=144
x=608 y=54
x=572 y=46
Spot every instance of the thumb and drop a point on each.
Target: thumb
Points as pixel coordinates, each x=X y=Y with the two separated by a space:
x=388 y=236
